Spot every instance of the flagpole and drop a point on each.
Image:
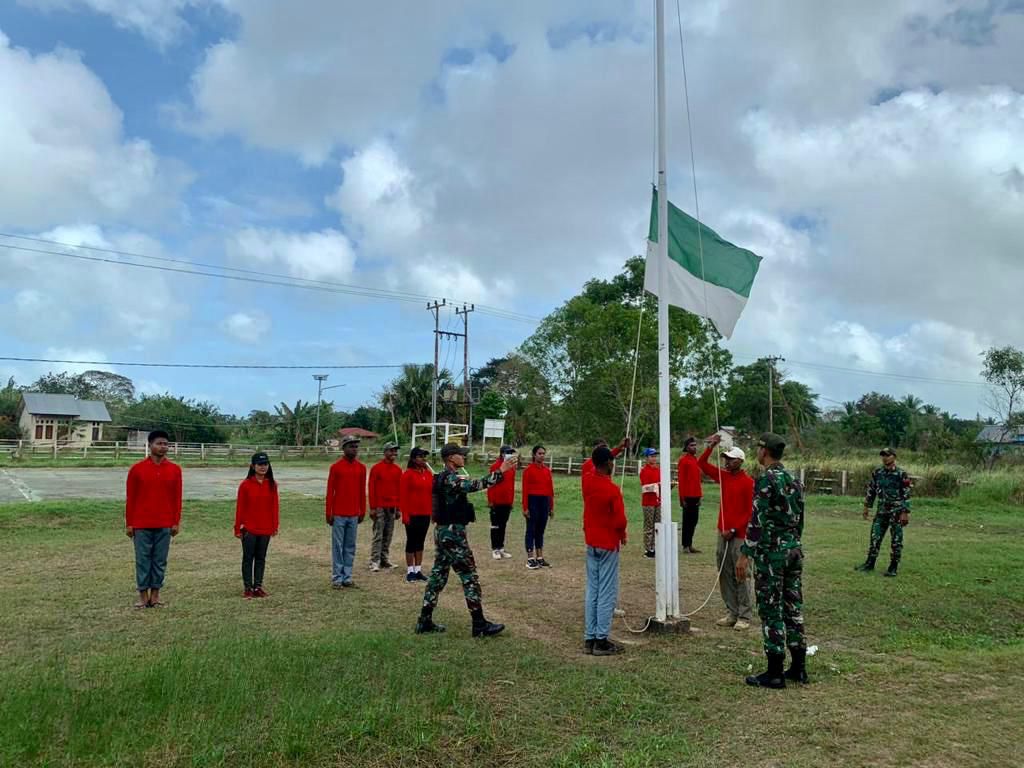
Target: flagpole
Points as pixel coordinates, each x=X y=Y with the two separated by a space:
x=667 y=551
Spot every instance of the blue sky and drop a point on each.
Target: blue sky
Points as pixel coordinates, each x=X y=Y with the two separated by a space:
x=503 y=156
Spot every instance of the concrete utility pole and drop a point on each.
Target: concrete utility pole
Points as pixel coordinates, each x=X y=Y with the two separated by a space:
x=320 y=379
x=436 y=309
x=772 y=359
x=464 y=312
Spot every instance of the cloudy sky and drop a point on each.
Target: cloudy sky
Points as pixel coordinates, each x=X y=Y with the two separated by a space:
x=495 y=152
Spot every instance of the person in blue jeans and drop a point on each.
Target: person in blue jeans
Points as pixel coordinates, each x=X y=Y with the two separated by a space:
x=604 y=529
x=345 y=510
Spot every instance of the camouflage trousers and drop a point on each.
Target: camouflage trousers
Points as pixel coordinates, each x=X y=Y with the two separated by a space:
x=453 y=554
x=886 y=521
x=652 y=515
x=777 y=582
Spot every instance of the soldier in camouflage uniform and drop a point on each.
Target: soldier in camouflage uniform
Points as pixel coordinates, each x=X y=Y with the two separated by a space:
x=452 y=512
x=773 y=544
x=891 y=486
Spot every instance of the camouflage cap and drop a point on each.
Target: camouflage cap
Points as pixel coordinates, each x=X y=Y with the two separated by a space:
x=771 y=441
x=391 y=446
x=453 y=448
x=349 y=439
x=887 y=452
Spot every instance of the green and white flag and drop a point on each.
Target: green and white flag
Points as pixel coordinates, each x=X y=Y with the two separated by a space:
x=728 y=272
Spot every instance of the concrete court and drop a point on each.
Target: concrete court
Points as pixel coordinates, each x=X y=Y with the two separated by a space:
x=20 y=485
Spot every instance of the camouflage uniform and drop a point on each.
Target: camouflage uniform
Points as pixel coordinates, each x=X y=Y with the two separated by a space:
x=892 y=489
x=773 y=544
x=452 y=511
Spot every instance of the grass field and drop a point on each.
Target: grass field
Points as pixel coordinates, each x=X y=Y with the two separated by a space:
x=923 y=670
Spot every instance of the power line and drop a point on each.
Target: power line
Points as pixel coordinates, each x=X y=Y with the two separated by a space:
x=243 y=275
x=199 y=365
x=865 y=372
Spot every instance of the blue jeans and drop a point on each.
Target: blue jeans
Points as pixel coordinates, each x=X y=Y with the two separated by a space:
x=343 y=548
x=151 y=548
x=601 y=593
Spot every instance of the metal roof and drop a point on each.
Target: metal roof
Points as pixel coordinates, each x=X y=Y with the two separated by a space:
x=994 y=433
x=42 y=404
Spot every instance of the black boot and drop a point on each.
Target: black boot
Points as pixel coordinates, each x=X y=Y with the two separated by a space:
x=484 y=628
x=425 y=624
x=867 y=565
x=891 y=570
x=797 y=671
x=773 y=677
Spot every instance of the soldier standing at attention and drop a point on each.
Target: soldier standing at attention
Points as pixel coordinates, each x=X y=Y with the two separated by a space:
x=891 y=486
x=452 y=513
x=773 y=544
x=690 y=492
x=385 y=496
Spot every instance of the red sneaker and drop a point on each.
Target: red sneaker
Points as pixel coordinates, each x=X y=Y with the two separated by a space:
x=249 y=594
x=260 y=592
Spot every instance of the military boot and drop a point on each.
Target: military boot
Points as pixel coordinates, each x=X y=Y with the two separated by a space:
x=484 y=628
x=797 y=671
x=891 y=570
x=425 y=624
x=773 y=677
x=867 y=565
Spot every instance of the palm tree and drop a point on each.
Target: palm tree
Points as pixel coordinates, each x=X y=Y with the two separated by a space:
x=912 y=403
x=410 y=395
x=296 y=422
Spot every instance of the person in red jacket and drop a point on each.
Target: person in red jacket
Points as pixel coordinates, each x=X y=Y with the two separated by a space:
x=257 y=518
x=690 y=492
x=604 y=529
x=650 y=479
x=385 y=489
x=736 y=507
x=538 y=507
x=500 y=499
x=152 y=515
x=346 y=508
x=417 y=505
x=587 y=468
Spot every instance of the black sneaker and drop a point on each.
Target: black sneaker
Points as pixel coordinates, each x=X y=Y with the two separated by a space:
x=543 y=563
x=649 y=553
x=605 y=647
x=420 y=576
x=588 y=647
x=532 y=564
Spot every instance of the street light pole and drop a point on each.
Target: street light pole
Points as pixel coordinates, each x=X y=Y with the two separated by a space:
x=320 y=378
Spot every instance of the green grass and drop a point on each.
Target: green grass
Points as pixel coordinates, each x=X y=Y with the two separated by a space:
x=922 y=670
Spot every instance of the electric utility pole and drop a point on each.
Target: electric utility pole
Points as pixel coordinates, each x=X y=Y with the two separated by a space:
x=320 y=379
x=435 y=308
x=772 y=359
x=464 y=312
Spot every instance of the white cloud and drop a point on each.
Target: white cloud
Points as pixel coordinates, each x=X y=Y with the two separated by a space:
x=246 y=327
x=158 y=20
x=65 y=158
x=325 y=255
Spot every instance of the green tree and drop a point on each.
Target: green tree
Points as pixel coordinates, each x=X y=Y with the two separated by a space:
x=10 y=399
x=186 y=421
x=296 y=425
x=410 y=395
x=746 y=400
x=585 y=351
x=1003 y=369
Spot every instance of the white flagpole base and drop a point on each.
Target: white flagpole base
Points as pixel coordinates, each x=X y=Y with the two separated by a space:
x=666 y=562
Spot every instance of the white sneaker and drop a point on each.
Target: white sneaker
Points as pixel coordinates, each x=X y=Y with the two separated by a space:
x=374 y=566
x=505 y=555
x=726 y=621
x=741 y=624
x=496 y=554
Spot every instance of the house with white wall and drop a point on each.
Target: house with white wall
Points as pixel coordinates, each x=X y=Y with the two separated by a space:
x=62 y=419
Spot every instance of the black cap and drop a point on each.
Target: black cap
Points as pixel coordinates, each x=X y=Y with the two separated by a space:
x=260 y=458
x=417 y=452
x=602 y=455
x=453 y=448
x=772 y=442
x=505 y=449
x=887 y=452
x=689 y=440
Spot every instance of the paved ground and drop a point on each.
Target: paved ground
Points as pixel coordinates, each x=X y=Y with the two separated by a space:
x=108 y=483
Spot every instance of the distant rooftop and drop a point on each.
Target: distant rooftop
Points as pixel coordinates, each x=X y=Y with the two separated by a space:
x=69 y=406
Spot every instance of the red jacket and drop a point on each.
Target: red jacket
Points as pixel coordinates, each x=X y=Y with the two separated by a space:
x=346 y=489
x=416 y=495
x=604 y=514
x=504 y=493
x=737 y=496
x=385 y=485
x=689 y=478
x=537 y=481
x=257 y=509
x=153 y=497
x=648 y=475
x=587 y=470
